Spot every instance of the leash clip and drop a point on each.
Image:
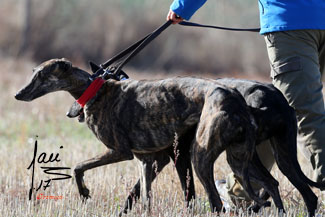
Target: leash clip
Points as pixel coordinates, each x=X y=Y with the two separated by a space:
x=108 y=74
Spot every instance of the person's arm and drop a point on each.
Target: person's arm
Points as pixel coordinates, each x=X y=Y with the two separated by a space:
x=183 y=9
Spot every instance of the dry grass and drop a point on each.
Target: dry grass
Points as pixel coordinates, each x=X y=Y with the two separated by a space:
x=109 y=185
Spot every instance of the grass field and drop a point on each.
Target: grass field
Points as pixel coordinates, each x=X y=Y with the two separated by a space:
x=109 y=185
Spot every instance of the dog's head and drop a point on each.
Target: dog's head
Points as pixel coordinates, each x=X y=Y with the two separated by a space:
x=48 y=77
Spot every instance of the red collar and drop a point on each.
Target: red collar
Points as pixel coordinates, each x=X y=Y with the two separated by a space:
x=90 y=92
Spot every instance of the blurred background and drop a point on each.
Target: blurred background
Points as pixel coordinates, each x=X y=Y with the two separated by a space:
x=81 y=30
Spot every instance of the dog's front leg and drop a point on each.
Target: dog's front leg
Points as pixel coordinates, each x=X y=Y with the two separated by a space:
x=110 y=156
x=146 y=179
x=184 y=170
x=151 y=164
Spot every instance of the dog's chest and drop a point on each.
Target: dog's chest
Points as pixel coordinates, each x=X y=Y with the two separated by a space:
x=98 y=123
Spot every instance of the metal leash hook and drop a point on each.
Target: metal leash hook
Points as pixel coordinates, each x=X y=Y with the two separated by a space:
x=109 y=73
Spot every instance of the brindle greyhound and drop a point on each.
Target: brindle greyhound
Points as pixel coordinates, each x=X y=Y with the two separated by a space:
x=141 y=117
x=276 y=122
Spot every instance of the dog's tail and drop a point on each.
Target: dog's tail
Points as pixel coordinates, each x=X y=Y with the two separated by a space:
x=286 y=131
x=320 y=185
x=294 y=159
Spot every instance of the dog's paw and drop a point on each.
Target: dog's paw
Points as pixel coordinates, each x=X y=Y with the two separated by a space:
x=267 y=204
x=85 y=194
x=255 y=208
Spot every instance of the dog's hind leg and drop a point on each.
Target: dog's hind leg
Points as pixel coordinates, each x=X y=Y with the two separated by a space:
x=284 y=145
x=262 y=176
x=288 y=168
x=110 y=156
x=239 y=136
x=133 y=196
x=256 y=207
x=226 y=127
x=158 y=162
x=242 y=167
x=203 y=165
x=206 y=148
x=203 y=160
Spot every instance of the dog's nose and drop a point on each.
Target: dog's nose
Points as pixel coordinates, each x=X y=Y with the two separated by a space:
x=18 y=96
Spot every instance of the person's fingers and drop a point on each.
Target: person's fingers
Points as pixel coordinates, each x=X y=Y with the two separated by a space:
x=174 y=17
x=171 y=16
x=168 y=16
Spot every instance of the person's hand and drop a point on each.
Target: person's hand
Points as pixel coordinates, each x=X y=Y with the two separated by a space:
x=174 y=17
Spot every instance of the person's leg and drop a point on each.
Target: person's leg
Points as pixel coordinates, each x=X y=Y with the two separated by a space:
x=295 y=68
x=235 y=190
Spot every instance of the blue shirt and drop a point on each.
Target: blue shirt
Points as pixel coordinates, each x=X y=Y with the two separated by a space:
x=275 y=15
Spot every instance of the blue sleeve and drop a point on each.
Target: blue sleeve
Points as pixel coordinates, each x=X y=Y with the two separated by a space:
x=186 y=8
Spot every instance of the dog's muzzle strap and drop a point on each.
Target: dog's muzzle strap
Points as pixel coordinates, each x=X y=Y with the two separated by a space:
x=90 y=92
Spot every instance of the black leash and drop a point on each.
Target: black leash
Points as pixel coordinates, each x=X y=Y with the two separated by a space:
x=144 y=43
x=185 y=23
x=123 y=53
x=116 y=71
x=134 y=49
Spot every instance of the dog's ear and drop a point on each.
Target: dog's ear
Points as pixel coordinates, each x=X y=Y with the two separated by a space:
x=74 y=110
x=94 y=67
